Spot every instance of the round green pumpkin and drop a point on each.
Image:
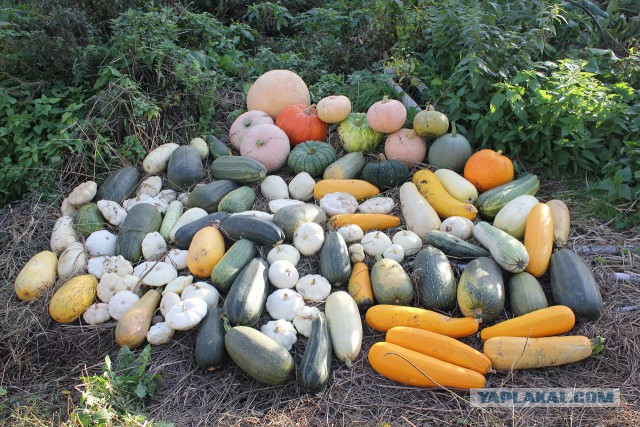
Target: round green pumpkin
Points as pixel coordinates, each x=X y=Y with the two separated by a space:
x=356 y=135
x=386 y=173
x=450 y=151
x=311 y=157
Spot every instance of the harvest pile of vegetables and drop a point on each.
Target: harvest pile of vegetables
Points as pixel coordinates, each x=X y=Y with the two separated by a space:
x=160 y=251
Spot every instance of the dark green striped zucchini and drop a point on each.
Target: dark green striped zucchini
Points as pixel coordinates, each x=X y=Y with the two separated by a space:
x=208 y=196
x=238 y=200
x=481 y=290
x=184 y=168
x=348 y=166
x=290 y=217
x=210 y=350
x=217 y=148
x=142 y=219
x=315 y=367
x=454 y=246
x=259 y=356
x=120 y=185
x=573 y=285
x=434 y=280
x=490 y=202
x=232 y=263
x=239 y=169
x=262 y=232
x=335 y=265
x=184 y=235
x=246 y=298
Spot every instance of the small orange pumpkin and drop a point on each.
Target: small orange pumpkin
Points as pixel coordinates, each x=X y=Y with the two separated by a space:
x=301 y=123
x=487 y=169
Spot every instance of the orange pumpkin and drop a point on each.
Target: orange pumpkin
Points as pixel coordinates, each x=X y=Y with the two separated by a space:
x=301 y=123
x=487 y=169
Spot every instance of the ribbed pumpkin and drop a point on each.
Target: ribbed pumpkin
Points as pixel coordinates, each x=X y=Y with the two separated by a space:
x=387 y=115
x=267 y=144
x=430 y=123
x=450 y=151
x=487 y=169
x=275 y=90
x=312 y=157
x=301 y=123
x=386 y=173
x=244 y=123
x=407 y=146
x=356 y=135
x=334 y=108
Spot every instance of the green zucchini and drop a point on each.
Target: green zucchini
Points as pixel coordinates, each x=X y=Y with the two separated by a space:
x=174 y=211
x=490 y=202
x=290 y=217
x=525 y=294
x=481 y=290
x=335 y=264
x=348 y=166
x=315 y=367
x=120 y=185
x=508 y=251
x=262 y=232
x=454 y=246
x=239 y=169
x=573 y=285
x=184 y=235
x=232 y=263
x=142 y=219
x=238 y=200
x=89 y=219
x=184 y=168
x=217 y=148
x=434 y=280
x=246 y=298
x=208 y=196
x=210 y=351
x=259 y=356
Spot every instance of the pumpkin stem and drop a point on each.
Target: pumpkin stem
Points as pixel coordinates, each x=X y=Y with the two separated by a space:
x=499 y=152
x=454 y=130
x=227 y=325
x=597 y=345
x=311 y=150
x=385 y=98
x=381 y=158
x=310 y=108
x=260 y=143
x=430 y=108
x=411 y=134
x=358 y=122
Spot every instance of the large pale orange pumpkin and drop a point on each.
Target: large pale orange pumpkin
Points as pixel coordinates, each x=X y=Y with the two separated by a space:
x=487 y=169
x=301 y=123
x=275 y=90
x=407 y=146
x=244 y=123
x=387 y=116
x=267 y=144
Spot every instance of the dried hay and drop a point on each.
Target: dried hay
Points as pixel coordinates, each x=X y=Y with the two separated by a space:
x=41 y=361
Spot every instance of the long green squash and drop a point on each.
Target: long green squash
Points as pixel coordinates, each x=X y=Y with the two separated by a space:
x=315 y=367
x=505 y=249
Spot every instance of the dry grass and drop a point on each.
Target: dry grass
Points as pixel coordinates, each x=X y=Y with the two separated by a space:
x=41 y=361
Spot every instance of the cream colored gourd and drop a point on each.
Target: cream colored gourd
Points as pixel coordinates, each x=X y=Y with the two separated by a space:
x=158 y=159
x=284 y=303
x=38 y=275
x=313 y=287
x=351 y=233
x=284 y=252
x=512 y=218
x=63 y=234
x=273 y=187
x=419 y=216
x=150 y=186
x=154 y=247
x=276 y=205
x=189 y=216
x=394 y=252
x=112 y=212
x=283 y=274
x=72 y=261
x=308 y=238
x=377 y=205
x=457 y=186
x=333 y=109
x=301 y=186
x=201 y=147
x=121 y=302
x=458 y=226
x=345 y=326
x=202 y=290
x=375 y=242
x=410 y=241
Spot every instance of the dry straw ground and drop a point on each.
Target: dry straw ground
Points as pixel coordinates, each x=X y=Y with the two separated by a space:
x=41 y=361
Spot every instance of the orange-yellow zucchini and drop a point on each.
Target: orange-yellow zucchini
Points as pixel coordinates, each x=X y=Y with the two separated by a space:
x=508 y=353
x=358 y=188
x=546 y=322
x=383 y=317
x=538 y=239
x=366 y=222
x=360 y=286
x=416 y=369
x=440 y=347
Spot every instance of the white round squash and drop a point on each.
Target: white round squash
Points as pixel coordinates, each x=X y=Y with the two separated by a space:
x=275 y=90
